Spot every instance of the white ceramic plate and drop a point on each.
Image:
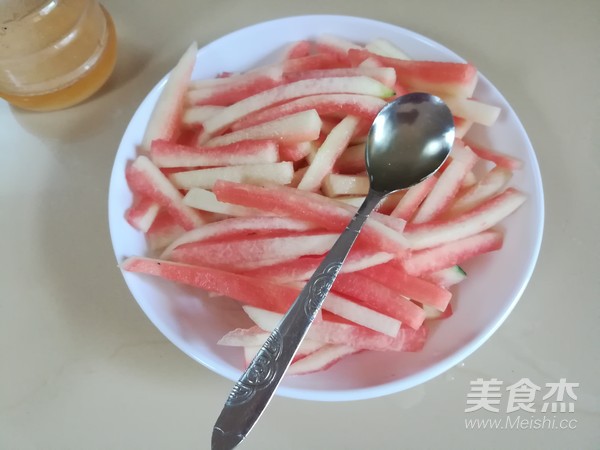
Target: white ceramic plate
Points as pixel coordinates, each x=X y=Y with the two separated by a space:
x=496 y=281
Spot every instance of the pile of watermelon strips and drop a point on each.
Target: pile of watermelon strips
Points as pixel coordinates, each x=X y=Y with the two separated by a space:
x=243 y=183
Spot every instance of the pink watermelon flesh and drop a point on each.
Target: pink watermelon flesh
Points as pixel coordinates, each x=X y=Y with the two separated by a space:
x=364 y=106
x=165 y=120
x=452 y=253
x=240 y=227
x=432 y=76
x=259 y=293
x=244 y=86
x=447 y=185
x=385 y=75
x=253 y=252
x=302 y=268
x=394 y=277
x=334 y=330
x=168 y=154
x=474 y=221
x=314 y=208
x=413 y=198
x=164 y=231
x=142 y=213
x=144 y=178
x=370 y=293
x=321 y=359
x=311 y=62
x=298 y=49
x=500 y=159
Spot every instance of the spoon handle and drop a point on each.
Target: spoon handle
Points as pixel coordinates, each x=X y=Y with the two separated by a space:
x=253 y=391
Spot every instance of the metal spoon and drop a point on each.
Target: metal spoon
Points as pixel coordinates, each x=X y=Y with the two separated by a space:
x=409 y=140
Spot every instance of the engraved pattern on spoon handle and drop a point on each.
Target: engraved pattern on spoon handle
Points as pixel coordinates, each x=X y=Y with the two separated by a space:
x=252 y=393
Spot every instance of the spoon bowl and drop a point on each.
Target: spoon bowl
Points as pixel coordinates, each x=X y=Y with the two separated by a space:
x=410 y=139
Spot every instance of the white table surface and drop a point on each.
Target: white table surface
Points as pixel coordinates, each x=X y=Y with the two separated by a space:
x=81 y=367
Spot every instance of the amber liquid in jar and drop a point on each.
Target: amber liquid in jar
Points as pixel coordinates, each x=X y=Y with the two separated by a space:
x=54 y=54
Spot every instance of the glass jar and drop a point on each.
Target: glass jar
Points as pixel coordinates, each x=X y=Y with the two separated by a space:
x=54 y=53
